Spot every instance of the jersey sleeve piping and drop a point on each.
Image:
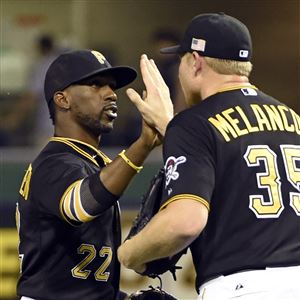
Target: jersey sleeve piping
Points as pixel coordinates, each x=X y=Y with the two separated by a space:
x=72 y=199
x=65 y=205
x=79 y=205
x=80 y=212
x=186 y=196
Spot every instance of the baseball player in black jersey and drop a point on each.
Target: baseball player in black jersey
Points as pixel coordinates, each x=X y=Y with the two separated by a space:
x=232 y=164
x=68 y=213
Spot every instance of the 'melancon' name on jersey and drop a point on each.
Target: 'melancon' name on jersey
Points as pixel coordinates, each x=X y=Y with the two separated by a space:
x=234 y=122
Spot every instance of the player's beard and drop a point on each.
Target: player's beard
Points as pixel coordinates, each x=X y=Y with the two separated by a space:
x=94 y=124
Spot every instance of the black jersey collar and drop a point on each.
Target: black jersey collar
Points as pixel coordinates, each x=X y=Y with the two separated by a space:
x=236 y=87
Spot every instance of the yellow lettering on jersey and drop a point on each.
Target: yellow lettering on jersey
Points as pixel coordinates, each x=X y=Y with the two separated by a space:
x=291 y=155
x=283 y=110
x=24 y=189
x=268 y=117
x=296 y=120
x=261 y=118
x=249 y=127
x=101 y=274
x=274 y=117
x=223 y=126
x=79 y=270
x=234 y=122
x=100 y=57
x=263 y=156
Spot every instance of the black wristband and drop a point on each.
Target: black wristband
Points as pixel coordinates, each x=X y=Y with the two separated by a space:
x=100 y=193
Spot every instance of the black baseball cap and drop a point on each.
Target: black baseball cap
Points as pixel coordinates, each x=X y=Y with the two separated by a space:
x=74 y=66
x=215 y=35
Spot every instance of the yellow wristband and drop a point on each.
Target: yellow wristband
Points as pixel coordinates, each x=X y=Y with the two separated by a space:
x=129 y=162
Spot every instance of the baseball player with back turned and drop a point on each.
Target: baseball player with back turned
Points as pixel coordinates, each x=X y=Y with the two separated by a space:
x=68 y=212
x=232 y=163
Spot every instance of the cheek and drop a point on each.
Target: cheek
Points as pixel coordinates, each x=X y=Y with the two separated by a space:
x=88 y=103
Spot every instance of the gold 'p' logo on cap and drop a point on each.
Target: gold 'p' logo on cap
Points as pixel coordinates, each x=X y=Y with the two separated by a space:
x=100 y=57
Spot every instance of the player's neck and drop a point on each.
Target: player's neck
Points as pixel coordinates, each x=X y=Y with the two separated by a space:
x=214 y=85
x=77 y=133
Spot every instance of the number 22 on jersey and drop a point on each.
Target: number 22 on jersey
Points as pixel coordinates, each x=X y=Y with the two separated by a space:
x=262 y=155
x=80 y=271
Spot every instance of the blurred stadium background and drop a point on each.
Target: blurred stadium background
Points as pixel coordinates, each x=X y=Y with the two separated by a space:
x=122 y=30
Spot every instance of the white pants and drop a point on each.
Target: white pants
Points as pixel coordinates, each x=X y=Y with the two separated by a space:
x=268 y=284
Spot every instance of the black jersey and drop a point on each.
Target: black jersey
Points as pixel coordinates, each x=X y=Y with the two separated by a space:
x=238 y=153
x=59 y=260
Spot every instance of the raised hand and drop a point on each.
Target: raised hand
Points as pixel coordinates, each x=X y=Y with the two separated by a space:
x=156 y=105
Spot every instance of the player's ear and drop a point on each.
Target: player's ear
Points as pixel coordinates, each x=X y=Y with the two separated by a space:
x=197 y=62
x=61 y=100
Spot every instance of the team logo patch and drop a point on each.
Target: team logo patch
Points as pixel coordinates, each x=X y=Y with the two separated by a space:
x=171 y=168
x=100 y=57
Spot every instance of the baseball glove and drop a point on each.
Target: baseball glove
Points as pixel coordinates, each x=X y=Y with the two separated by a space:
x=151 y=294
x=151 y=202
